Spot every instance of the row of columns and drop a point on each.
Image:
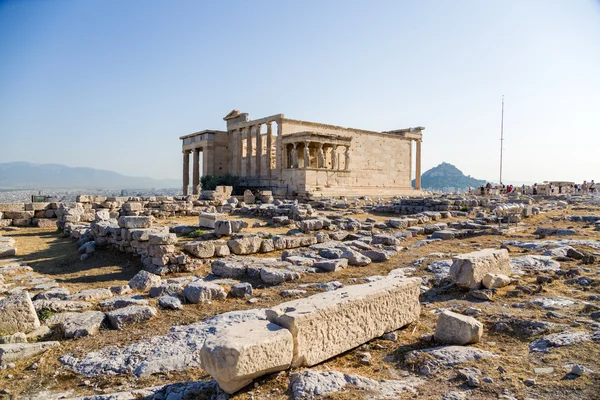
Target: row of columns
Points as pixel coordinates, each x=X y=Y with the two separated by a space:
x=249 y=159
x=293 y=161
x=195 y=170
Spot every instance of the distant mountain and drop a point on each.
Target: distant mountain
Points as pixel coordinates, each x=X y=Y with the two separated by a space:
x=447 y=176
x=24 y=175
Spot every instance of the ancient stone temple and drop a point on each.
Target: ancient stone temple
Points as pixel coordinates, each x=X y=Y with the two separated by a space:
x=306 y=159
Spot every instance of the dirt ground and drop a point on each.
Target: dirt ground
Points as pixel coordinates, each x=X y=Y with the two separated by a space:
x=54 y=256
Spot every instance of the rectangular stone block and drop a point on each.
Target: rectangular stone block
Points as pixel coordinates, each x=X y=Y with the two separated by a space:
x=17 y=314
x=12 y=207
x=238 y=354
x=468 y=270
x=36 y=206
x=19 y=214
x=135 y=222
x=327 y=324
x=10 y=353
x=207 y=220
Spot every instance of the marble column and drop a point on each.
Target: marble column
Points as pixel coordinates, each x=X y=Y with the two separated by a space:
x=186 y=173
x=269 y=148
x=248 y=137
x=196 y=172
x=257 y=163
x=418 y=167
x=279 y=149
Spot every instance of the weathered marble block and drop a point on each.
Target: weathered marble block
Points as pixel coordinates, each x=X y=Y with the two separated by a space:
x=327 y=324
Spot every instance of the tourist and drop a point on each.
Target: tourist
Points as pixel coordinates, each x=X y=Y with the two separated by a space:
x=592 y=188
x=535 y=189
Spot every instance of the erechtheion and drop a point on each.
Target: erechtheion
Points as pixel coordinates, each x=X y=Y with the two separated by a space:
x=306 y=159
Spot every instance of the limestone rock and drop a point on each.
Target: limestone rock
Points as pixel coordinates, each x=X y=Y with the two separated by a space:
x=355 y=258
x=311 y=384
x=275 y=276
x=90 y=295
x=120 y=302
x=200 y=249
x=123 y=317
x=55 y=293
x=135 y=222
x=166 y=288
x=17 y=314
x=347 y=317
x=18 y=337
x=162 y=238
x=251 y=349
x=175 y=351
x=453 y=328
x=200 y=291
x=228 y=269
x=566 y=338
x=241 y=290
x=494 y=281
x=82 y=324
x=144 y=280
x=56 y=305
x=170 y=302
x=450 y=355
x=534 y=263
x=247 y=245
x=469 y=269
x=120 y=290
x=20 y=351
x=331 y=265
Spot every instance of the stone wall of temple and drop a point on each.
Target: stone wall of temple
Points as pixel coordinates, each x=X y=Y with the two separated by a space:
x=377 y=161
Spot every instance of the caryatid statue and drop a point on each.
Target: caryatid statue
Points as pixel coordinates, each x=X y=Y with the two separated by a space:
x=294 y=157
x=334 y=157
x=321 y=156
x=347 y=154
x=306 y=155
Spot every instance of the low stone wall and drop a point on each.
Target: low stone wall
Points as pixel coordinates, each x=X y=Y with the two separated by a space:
x=28 y=214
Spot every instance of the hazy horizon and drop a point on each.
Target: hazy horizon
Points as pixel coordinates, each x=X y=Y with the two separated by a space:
x=113 y=85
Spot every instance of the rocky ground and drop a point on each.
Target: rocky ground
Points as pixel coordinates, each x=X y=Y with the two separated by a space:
x=540 y=331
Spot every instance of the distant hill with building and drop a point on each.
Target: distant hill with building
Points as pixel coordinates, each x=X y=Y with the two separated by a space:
x=24 y=175
x=447 y=177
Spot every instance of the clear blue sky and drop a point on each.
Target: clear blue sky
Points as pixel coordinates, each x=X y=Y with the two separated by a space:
x=113 y=84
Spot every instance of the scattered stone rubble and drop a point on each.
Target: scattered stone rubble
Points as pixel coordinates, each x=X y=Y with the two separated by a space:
x=240 y=347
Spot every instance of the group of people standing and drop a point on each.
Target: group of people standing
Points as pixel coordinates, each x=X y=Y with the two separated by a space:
x=584 y=189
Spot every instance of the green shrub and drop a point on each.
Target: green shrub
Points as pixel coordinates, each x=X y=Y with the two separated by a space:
x=196 y=233
x=464 y=208
x=210 y=182
x=44 y=315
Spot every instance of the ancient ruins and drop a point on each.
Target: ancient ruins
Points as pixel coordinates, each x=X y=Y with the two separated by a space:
x=217 y=296
x=304 y=159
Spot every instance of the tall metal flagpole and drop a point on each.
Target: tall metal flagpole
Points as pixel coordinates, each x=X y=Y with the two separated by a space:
x=501 y=138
